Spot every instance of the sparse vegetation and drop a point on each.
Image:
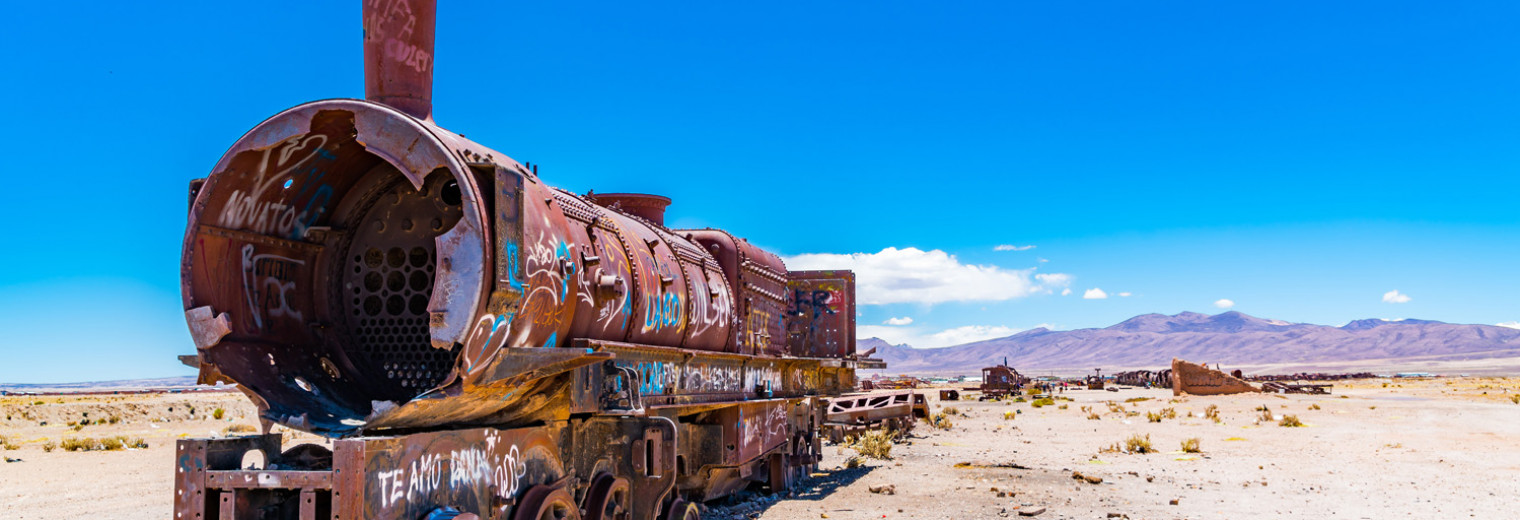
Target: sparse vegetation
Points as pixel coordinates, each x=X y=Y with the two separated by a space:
x=876 y=444
x=1266 y=414
x=8 y=444
x=853 y=462
x=1032 y=391
x=1290 y=421
x=218 y=413
x=1062 y=407
x=1093 y=417
x=951 y=410
x=1137 y=399
x=1191 y=446
x=1009 y=416
x=240 y=428
x=102 y=444
x=941 y=420
x=1169 y=413
x=1314 y=406
x=49 y=446
x=1137 y=444
x=1115 y=407
x=1515 y=398
x=1042 y=402
x=1153 y=417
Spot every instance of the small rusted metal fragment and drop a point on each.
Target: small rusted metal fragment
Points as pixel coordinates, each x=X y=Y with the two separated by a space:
x=206 y=327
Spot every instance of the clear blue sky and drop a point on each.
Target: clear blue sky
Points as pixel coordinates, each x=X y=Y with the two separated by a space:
x=1301 y=159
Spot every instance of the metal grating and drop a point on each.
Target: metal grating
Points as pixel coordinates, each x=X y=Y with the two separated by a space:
x=389 y=279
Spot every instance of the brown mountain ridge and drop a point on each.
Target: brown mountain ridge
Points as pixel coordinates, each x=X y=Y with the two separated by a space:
x=1150 y=341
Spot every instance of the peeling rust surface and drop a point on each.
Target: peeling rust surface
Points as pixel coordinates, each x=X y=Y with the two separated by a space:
x=480 y=343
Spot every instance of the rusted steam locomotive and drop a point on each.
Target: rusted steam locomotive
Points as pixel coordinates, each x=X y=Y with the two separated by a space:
x=477 y=343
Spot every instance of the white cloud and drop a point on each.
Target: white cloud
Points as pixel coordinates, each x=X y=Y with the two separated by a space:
x=944 y=338
x=1510 y=324
x=1224 y=303
x=1011 y=247
x=1094 y=294
x=1124 y=295
x=1042 y=260
x=1395 y=297
x=899 y=321
x=912 y=275
x=1066 y=291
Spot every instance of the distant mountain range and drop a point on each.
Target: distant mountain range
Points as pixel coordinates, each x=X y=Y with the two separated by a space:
x=124 y=384
x=1150 y=341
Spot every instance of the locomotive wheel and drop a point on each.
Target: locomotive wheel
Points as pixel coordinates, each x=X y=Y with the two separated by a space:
x=607 y=499
x=683 y=510
x=542 y=502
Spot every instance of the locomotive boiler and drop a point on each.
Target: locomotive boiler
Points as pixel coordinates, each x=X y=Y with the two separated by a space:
x=476 y=342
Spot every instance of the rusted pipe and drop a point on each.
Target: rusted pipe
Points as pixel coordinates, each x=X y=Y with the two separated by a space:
x=398 y=54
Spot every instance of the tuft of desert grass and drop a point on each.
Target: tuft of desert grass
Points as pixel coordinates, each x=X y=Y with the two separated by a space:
x=1191 y=446
x=1314 y=406
x=102 y=444
x=49 y=446
x=240 y=428
x=1042 y=402
x=1009 y=416
x=941 y=420
x=876 y=444
x=1137 y=399
x=218 y=413
x=1093 y=417
x=8 y=444
x=1290 y=421
x=1153 y=417
x=1137 y=444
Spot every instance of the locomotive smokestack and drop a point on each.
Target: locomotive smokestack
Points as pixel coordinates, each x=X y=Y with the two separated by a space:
x=398 y=54
x=642 y=205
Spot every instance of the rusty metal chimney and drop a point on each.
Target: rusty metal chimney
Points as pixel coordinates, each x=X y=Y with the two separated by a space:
x=642 y=205
x=398 y=54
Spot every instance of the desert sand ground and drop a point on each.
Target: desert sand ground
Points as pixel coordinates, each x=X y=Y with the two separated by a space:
x=1436 y=448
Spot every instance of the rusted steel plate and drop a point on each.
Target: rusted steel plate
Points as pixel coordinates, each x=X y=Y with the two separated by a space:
x=259 y=479
x=822 y=314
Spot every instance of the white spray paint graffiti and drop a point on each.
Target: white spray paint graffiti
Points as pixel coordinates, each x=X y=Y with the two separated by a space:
x=268 y=280
x=464 y=469
x=248 y=210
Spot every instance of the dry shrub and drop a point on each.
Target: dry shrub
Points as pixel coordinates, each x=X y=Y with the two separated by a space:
x=1191 y=446
x=1094 y=417
x=218 y=413
x=1266 y=414
x=1042 y=402
x=1062 y=407
x=951 y=410
x=1137 y=399
x=1290 y=421
x=853 y=462
x=103 y=444
x=1009 y=416
x=876 y=444
x=8 y=444
x=1032 y=391
x=1137 y=444
x=941 y=421
x=1515 y=398
x=240 y=428
x=1153 y=417
x=1169 y=413
x=1114 y=407
x=49 y=446
x=113 y=419
x=1314 y=406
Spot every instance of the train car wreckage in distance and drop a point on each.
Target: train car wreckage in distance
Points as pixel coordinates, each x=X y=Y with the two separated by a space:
x=478 y=342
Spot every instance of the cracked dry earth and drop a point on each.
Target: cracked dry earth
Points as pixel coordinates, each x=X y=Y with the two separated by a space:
x=1437 y=448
